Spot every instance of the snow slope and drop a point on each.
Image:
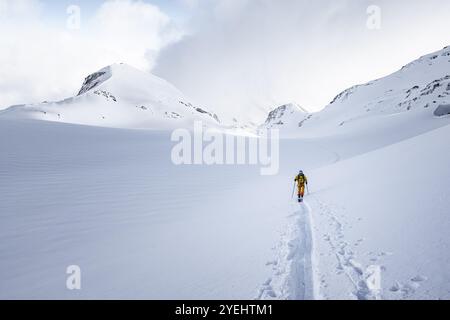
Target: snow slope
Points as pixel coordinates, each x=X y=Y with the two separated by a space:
x=120 y=96
x=387 y=208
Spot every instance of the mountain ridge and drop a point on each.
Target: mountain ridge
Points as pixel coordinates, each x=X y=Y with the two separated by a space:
x=422 y=86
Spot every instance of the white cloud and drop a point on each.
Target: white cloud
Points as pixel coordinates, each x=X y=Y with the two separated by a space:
x=40 y=62
x=10 y=9
x=133 y=31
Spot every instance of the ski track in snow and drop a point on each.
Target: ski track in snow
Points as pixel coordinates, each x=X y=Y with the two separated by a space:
x=293 y=272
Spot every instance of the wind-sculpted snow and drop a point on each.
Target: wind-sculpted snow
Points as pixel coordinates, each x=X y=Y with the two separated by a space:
x=112 y=202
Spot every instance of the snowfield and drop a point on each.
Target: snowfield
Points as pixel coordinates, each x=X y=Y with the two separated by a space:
x=112 y=202
x=96 y=187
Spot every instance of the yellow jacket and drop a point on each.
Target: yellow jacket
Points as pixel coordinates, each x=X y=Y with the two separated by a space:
x=301 y=179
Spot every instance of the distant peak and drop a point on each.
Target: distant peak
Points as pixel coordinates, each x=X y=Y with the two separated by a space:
x=291 y=107
x=279 y=112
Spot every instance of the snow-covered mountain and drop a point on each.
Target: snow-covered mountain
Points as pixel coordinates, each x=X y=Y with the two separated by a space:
x=285 y=115
x=420 y=89
x=120 y=96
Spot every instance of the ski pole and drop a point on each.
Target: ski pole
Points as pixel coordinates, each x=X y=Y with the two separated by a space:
x=293 y=189
x=307 y=188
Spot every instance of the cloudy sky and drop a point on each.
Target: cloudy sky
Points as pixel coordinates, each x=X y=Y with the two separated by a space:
x=237 y=56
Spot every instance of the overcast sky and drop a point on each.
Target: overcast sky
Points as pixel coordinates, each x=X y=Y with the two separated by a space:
x=235 y=55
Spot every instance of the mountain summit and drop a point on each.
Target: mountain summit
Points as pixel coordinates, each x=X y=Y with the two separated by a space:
x=124 y=97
